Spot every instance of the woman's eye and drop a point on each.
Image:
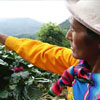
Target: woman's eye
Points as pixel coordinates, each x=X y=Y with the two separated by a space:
x=71 y=29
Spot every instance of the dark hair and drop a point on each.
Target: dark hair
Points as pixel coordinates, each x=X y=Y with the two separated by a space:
x=91 y=33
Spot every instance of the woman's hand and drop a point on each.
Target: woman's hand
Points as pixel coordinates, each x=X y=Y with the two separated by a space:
x=3 y=38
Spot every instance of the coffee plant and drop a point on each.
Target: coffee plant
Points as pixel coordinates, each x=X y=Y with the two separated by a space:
x=20 y=80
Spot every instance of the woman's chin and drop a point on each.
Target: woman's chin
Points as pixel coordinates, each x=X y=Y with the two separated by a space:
x=76 y=56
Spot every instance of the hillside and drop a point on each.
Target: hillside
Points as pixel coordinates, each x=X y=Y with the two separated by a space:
x=31 y=36
x=24 y=27
x=17 y=26
x=65 y=24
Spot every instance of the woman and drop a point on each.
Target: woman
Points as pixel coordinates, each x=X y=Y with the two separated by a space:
x=85 y=45
x=84 y=35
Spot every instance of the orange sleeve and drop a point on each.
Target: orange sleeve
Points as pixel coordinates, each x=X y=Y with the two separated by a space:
x=48 y=57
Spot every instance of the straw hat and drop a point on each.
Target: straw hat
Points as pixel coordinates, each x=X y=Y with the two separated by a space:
x=86 y=12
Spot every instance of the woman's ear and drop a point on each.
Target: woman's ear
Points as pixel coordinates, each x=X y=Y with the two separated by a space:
x=99 y=45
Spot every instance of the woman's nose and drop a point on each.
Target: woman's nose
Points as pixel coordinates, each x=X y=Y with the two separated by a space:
x=69 y=35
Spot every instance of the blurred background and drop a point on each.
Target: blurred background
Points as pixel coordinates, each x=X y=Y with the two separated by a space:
x=44 y=20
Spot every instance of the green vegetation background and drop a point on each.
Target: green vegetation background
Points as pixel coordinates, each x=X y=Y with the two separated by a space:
x=30 y=83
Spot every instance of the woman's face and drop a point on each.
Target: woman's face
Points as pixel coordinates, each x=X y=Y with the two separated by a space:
x=83 y=47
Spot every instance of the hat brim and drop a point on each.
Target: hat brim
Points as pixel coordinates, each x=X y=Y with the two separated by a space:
x=89 y=17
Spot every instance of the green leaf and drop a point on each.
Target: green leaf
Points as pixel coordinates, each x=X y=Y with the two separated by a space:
x=30 y=65
x=17 y=92
x=12 y=87
x=29 y=81
x=24 y=74
x=2 y=62
x=4 y=94
x=15 y=78
x=32 y=93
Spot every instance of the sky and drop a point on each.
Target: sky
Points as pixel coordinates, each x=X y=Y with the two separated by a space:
x=41 y=10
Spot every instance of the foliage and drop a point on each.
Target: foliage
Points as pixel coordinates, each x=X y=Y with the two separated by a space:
x=65 y=24
x=53 y=34
x=20 y=80
x=30 y=36
x=25 y=83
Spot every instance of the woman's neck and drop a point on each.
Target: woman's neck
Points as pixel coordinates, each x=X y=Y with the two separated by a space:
x=95 y=64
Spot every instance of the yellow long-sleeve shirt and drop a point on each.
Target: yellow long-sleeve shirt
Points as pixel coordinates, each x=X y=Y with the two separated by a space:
x=48 y=57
